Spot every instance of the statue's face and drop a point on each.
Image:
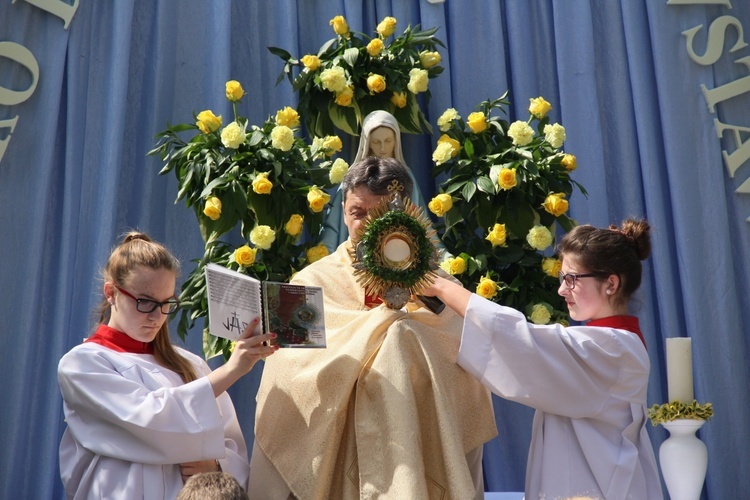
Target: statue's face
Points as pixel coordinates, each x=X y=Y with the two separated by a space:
x=382 y=142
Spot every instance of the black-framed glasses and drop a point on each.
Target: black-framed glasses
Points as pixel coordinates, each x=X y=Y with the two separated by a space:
x=148 y=306
x=570 y=279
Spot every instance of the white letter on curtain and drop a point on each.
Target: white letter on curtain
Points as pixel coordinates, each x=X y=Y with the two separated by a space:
x=714 y=46
x=4 y=142
x=22 y=55
x=56 y=7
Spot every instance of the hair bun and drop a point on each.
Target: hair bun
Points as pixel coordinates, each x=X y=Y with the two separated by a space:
x=637 y=233
x=135 y=235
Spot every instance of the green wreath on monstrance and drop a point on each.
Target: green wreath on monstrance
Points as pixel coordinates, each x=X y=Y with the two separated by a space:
x=394 y=254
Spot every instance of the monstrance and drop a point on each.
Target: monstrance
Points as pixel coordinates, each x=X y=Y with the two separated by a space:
x=394 y=253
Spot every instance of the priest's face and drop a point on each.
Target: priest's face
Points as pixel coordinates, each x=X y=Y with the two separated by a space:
x=143 y=283
x=382 y=142
x=358 y=201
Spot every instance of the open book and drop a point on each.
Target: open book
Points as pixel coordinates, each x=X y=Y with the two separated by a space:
x=293 y=312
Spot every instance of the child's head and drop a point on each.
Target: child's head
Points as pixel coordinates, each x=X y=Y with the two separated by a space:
x=212 y=486
x=601 y=268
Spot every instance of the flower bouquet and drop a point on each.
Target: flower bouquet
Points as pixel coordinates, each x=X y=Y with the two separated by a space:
x=264 y=181
x=354 y=74
x=505 y=195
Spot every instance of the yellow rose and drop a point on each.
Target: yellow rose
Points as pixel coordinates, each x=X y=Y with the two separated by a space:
x=440 y=204
x=457 y=265
x=443 y=152
x=311 y=62
x=294 y=225
x=316 y=253
x=332 y=143
x=333 y=79
x=282 y=137
x=477 y=122
x=418 y=80
x=429 y=59
x=338 y=171
x=340 y=27
x=539 y=237
x=449 y=115
x=487 y=288
x=539 y=107
x=375 y=47
x=376 y=83
x=569 y=162
x=234 y=90
x=317 y=199
x=386 y=27
x=208 y=122
x=506 y=179
x=497 y=235
x=453 y=265
x=540 y=315
x=244 y=255
x=399 y=99
x=521 y=133
x=262 y=237
x=212 y=210
x=551 y=266
x=345 y=97
x=556 y=204
x=453 y=143
x=287 y=117
x=554 y=134
x=261 y=184
x=233 y=135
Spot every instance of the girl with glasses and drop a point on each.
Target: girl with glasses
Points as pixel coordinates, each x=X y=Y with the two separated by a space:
x=587 y=383
x=144 y=415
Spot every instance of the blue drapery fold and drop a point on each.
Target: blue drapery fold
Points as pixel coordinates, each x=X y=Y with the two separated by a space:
x=75 y=174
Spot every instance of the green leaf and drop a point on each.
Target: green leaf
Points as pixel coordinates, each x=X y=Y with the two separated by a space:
x=343 y=117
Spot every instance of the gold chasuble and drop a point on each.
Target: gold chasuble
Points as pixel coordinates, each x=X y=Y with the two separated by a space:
x=383 y=411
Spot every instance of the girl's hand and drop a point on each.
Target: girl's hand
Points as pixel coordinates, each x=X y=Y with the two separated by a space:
x=250 y=347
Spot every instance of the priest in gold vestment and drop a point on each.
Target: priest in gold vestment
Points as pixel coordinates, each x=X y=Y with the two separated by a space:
x=383 y=411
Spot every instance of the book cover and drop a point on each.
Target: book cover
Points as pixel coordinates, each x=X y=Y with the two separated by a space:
x=293 y=312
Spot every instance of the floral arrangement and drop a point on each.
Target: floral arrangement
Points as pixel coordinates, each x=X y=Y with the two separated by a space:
x=354 y=74
x=677 y=410
x=263 y=180
x=505 y=196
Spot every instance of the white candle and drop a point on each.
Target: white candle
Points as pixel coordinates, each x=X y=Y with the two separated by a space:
x=680 y=369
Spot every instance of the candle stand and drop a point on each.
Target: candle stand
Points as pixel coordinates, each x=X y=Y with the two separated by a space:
x=683 y=458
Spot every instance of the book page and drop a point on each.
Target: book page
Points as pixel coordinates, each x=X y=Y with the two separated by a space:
x=233 y=301
x=295 y=314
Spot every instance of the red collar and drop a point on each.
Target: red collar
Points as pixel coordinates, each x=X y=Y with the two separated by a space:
x=119 y=341
x=622 y=322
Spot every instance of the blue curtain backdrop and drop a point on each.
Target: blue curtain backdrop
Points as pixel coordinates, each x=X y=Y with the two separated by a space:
x=80 y=105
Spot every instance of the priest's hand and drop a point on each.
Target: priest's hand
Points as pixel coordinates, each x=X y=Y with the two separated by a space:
x=192 y=468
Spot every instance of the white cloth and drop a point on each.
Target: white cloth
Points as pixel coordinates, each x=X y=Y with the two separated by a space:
x=588 y=386
x=131 y=422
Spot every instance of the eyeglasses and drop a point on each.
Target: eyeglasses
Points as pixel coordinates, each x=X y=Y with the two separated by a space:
x=570 y=279
x=148 y=306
